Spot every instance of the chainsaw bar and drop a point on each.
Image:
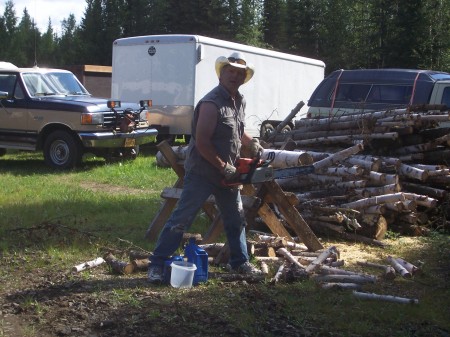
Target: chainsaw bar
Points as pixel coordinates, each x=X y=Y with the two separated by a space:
x=267 y=173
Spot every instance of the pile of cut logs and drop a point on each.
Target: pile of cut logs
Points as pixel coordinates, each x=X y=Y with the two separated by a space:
x=374 y=172
x=280 y=260
x=394 y=180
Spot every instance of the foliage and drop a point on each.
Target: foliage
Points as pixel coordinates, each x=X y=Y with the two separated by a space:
x=343 y=33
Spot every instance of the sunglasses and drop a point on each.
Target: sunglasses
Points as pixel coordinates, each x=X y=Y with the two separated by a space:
x=238 y=61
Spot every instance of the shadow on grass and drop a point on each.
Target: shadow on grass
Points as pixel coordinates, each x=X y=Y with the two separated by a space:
x=25 y=163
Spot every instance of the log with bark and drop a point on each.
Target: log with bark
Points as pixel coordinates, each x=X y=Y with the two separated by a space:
x=388 y=298
x=88 y=265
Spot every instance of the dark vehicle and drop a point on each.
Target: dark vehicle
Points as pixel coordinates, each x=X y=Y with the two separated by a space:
x=49 y=110
x=366 y=90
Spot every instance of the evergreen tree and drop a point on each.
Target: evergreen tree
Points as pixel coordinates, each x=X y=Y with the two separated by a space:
x=24 y=42
x=8 y=31
x=68 y=46
x=274 y=24
x=91 y=33
x=47 y=47
x=249 y=26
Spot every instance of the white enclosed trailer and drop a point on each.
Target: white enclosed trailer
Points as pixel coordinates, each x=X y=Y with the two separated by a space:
x=176 y=71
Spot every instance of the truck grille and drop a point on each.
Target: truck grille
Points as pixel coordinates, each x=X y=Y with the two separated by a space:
x=112 y=121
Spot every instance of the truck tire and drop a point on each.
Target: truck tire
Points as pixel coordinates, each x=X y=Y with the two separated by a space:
x=62 y=150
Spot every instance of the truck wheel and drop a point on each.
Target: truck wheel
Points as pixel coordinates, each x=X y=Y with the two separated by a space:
x=266 y=130
x=62 y=150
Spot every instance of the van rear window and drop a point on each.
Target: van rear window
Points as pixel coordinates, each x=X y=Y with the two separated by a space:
x=377 y=93
x=352 y=92
x=390 y=94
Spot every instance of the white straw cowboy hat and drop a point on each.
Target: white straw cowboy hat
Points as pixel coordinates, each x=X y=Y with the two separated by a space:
x=236 y=59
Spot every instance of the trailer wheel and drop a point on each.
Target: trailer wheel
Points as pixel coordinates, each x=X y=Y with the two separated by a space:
x=266 y=129
x=286 y=129
x=62 y=150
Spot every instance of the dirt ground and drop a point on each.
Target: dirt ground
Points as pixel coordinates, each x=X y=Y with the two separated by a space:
x=52 y=301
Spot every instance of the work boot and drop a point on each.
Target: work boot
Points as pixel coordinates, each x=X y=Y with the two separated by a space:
x=155 y=274
x=248 y=269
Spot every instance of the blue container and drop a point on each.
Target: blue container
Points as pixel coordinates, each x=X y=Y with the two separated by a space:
x=168 y=269
x=199 y=257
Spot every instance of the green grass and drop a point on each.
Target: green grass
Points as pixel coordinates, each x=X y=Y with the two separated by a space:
x=106 y=200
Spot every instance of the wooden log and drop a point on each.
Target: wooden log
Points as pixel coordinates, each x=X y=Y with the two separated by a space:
x=359 y=279
x=212 y=249
x=413 y=172
x=373 y=226
x=388 y=271
x=363 y=239
x=264 y=268
x=278 y=274
x=432 y=192
x=365 y=164
x=223 y=256
x=377 y=178
x=412 y=269
x=389 y=298
x=138 y=255
x=304 y=253
x=282 y=159
x=180 y=153
x=337 y=271
x=322 y=257
x=140 y=265
x=422 y=200
x=367 y=202
x=340 y=285
x=290 y=257
x=373 y=191
x=398 y=267
x=265 y=251
x=88 y=265
x=345 y=171
x=338 y=157
x=423 y=147
x=117 y=266
x=272 y=241
x=321 y=224
x=391 y=179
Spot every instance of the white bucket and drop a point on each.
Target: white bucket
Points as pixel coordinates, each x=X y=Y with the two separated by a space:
x=182 y=274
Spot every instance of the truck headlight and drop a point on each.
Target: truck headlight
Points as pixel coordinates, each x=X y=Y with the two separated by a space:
x=91 y=118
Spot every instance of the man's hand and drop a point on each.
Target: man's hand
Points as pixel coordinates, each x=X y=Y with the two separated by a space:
x=252 y=149
x=230 y=173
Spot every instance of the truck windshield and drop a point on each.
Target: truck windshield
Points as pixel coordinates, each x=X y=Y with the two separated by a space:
x=53 y=83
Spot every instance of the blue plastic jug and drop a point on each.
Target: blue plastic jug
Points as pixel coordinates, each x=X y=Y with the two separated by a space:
x=199 y=257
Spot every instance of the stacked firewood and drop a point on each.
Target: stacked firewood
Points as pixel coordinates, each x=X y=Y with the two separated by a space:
x=395 y=180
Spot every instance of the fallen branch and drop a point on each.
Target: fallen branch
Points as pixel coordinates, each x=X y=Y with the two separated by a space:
x=389 y=271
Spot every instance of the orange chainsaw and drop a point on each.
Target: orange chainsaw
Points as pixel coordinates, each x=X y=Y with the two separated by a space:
x=255 y=170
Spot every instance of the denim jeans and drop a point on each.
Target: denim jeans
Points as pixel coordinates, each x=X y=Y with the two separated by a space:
x=196 y=190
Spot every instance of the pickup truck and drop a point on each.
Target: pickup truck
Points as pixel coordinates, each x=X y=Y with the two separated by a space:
x=49 y=110
x=365 y=90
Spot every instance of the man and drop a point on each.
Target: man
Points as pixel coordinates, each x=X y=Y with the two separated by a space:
x=217 y=135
